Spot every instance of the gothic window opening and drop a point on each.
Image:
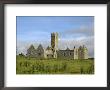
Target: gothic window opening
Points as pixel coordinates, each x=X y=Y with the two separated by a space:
x=64 y=54
x=39 y=54
x=70 y=54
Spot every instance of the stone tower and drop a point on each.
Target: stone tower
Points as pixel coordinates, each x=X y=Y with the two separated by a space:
x=82 y=52
x=54 y=44
x=75 y=53
x=85 y=52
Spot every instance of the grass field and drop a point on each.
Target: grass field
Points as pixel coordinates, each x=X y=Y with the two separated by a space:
x=53 y=66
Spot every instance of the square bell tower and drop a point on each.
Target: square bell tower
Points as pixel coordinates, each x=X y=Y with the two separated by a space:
x=54 y=43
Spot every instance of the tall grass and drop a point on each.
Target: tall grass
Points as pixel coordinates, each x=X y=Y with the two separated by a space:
x=26 y=65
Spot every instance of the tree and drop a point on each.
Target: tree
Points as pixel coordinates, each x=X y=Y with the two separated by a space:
x=21 y=54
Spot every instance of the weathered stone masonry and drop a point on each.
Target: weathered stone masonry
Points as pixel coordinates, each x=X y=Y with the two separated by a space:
x=54 y=52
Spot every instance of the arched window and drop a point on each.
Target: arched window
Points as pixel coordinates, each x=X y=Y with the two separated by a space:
x=70 y=53
x=39 y=54
x=64 y=54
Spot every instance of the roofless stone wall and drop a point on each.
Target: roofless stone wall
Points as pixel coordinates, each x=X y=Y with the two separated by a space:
x=53 y=52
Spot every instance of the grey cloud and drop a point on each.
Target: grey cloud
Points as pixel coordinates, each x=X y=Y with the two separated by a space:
x=62 y=44
x=22 y=46
x=88 y=42
x=83 y=30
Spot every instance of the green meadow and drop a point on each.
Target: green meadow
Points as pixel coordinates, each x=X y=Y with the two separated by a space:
x=25 y=65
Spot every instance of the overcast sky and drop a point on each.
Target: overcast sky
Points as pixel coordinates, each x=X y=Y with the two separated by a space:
x=72 y=31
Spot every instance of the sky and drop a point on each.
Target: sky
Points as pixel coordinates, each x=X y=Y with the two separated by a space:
x=72 y=31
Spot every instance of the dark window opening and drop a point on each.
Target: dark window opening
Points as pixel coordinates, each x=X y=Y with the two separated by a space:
x=70 y=53
x=64 y=54
x=39 y=54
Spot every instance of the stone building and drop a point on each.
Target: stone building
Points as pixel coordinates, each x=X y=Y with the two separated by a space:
x=54 y=52
x=66 y=53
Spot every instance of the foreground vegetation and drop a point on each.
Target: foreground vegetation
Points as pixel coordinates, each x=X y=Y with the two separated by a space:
x=26 y=65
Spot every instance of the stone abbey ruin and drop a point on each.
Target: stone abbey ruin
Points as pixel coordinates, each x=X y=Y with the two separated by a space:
x=54 y=52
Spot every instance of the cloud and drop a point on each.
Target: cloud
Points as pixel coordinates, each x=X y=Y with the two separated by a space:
x=62 y=44
x=88 y=42
x=84 y=35
x=73 y=31
x=83 y=30
x=68 y=38
x=22 y=46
